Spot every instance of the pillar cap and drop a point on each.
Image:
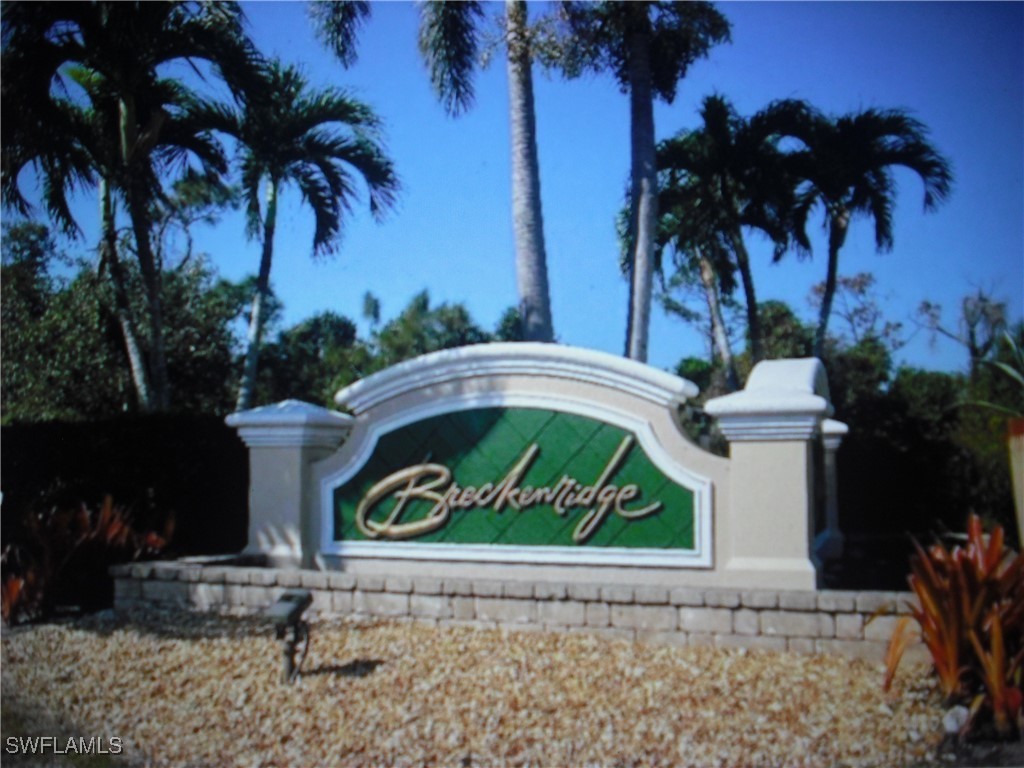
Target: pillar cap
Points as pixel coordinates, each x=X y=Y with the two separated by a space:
x=833 y=432
x=783 y=400
x=291 y=423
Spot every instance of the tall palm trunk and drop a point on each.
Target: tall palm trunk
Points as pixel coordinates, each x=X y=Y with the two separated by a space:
x=750 y=296
x=629 y=281
x=839 y=225
x=719 y=336
x=644 y=185
x=527 y=219
x=122 y=304
x=256 y=319
x=133 y=154
x=138 y=211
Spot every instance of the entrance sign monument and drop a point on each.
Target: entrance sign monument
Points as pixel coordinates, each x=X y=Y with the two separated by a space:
x=542 y=487
x=538 y=461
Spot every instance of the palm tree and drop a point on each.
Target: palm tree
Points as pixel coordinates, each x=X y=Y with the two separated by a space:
x=847 y=168
x=70 y=148
x=648 y=47
x=729 y=175
x=449 y=41
x=122 y=45
x=527 y=216
x=86 y=152
x=698 y=249
x=315 y=139
x=100 y=139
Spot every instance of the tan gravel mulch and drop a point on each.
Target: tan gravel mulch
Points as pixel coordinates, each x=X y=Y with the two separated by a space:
x=190 y=690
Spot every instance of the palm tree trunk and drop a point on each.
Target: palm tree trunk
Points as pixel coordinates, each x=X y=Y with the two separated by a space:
x=644 y=185
x=256 y=319
x=750 y=296
x=138 y=210
x=838 y=226
x=629 y=303
x=719 y=335
x=527 y=218
x=122 y=305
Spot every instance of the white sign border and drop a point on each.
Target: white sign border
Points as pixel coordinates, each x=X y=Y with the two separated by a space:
x=701 y=487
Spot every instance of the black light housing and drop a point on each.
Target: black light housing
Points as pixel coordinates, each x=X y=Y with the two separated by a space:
x=286 y=613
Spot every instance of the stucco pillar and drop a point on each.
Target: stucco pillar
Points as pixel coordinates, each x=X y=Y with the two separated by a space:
x=284 y=440
x=829 y=543
x=771 y=427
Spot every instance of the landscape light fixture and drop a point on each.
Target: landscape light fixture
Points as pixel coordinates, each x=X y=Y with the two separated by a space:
x=286 y=613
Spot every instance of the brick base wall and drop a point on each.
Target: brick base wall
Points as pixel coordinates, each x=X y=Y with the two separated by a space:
x=856 y=624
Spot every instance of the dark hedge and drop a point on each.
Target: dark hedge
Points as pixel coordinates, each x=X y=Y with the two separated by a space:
x=194 y=466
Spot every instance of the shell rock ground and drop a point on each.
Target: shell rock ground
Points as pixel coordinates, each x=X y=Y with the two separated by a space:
x=202 y=690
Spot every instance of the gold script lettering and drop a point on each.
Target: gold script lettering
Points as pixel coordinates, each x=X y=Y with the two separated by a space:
x=410 y=477
x=422 y=482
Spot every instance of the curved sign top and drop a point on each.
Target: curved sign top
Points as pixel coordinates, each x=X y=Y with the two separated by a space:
x=530 y=453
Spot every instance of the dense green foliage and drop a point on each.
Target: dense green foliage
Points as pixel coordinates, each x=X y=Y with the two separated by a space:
x=64 y=357
x=58 y=359
x=71 y=364
x=319 y=356
x=919 y=459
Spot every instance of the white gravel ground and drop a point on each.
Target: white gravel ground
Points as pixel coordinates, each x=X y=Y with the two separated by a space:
x=189 y=690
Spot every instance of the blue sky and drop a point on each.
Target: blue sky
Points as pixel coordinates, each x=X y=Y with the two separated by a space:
x=958 y=67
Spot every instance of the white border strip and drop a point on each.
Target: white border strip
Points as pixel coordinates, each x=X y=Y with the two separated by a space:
x=517 y=358
x=535 y=555
x=701 y=487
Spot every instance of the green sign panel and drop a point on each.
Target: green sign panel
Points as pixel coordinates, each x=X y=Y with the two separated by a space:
x=514 y=476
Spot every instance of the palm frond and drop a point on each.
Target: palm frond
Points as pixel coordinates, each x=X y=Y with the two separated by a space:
x=212 y=32
x=878 y=196
x=216 y=116
x=363 y=155
x=332 y=106
x=933 y=169
x=326 y=206
x=337 y=24
x=793 y=118
x=252 y=173
x=449 y=45
x=182 y=143
x=1016 y=374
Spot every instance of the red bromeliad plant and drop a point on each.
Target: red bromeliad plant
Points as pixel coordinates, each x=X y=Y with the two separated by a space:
x=998 y=671
x=971 y=619
x=65 y=555
x=10 y=595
